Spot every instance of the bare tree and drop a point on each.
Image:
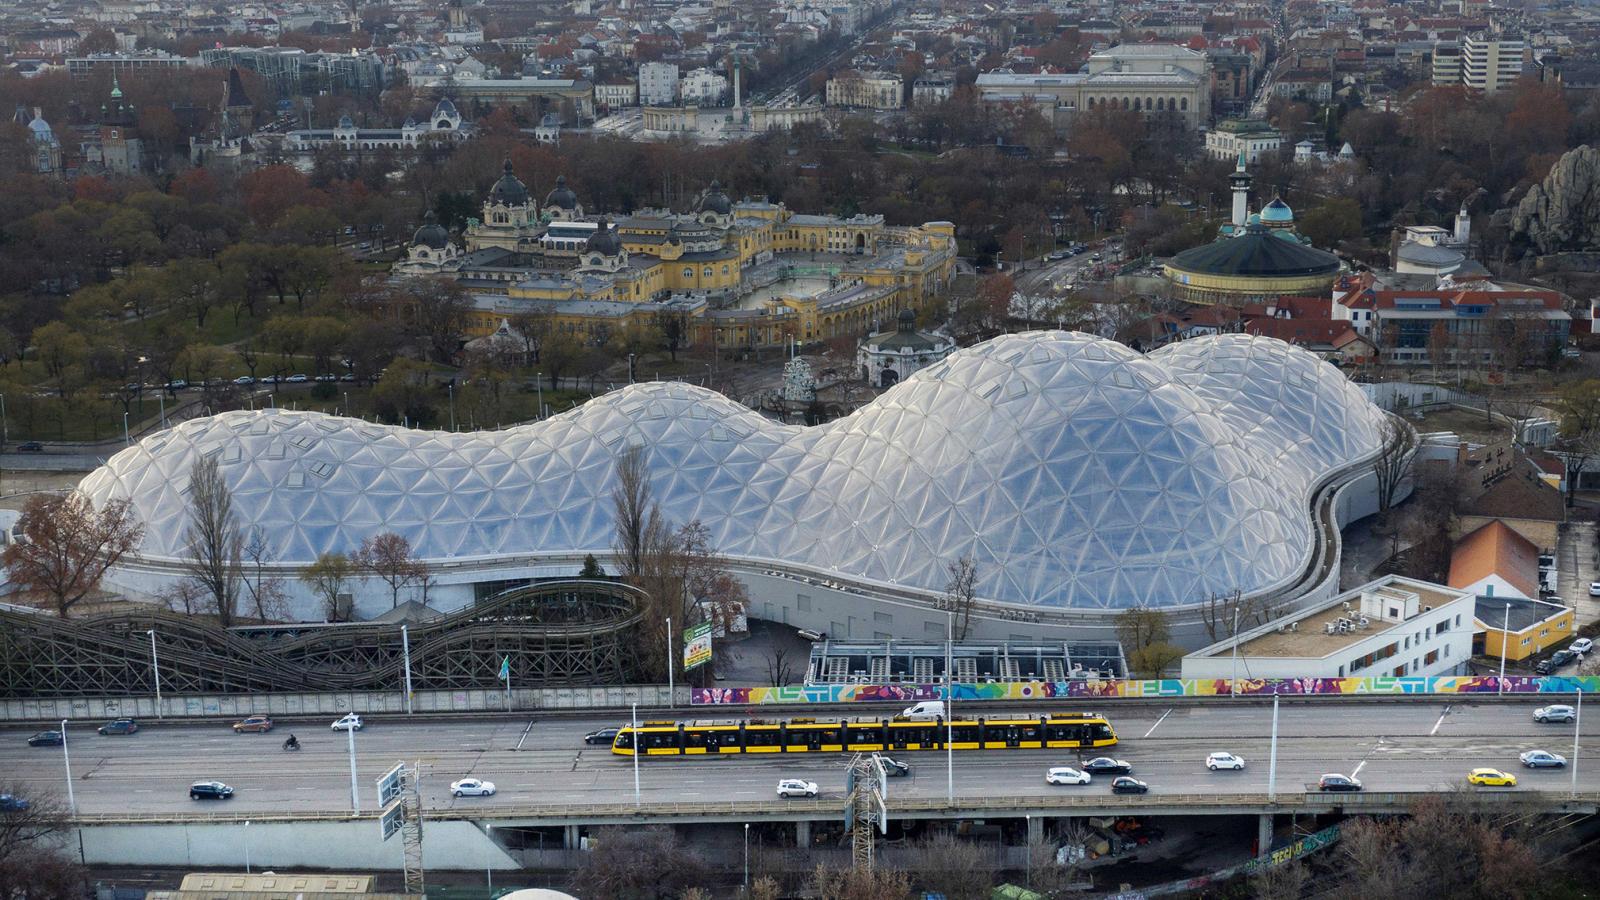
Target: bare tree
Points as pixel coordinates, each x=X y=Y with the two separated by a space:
x=388 y=558
x=1220 y=612
x=214 y=541
x=67 y=546
x=184 y=595
x=328 y=577
x=860 y=884
x=264 y=593
x=780 y=668
x=1396 y=443
x=634 y=509
x=961 y=594
x=956 y=869
x=639 y=862
x=33 y=862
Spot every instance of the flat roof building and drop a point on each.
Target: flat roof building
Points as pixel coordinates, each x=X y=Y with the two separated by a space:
x=1391 y=627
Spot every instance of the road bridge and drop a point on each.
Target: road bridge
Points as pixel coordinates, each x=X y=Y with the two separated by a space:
x=549 y=780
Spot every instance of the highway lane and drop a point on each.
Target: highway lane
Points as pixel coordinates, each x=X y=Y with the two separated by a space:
x=1390 y=746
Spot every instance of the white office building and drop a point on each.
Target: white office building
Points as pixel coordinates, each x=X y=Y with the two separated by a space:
x=1491 y=64
x=658 y=84
x=1390 y=627
x=703 y=87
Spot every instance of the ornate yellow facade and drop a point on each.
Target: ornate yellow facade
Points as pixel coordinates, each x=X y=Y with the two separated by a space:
x=875 y=270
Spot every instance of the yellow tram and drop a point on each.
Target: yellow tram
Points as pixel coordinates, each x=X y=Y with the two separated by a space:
x=1008 y=732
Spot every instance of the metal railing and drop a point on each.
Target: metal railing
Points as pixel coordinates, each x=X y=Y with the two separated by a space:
x=902 y=807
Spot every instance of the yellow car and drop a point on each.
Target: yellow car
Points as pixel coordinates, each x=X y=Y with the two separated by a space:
x=1491 y=777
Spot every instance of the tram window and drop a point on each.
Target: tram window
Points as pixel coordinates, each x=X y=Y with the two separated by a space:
x=831 y=736
x=657 y=740
x=1061 y=732
x=624 y=741
x=964 y=734
x=725 y=738
x=1027 y=733
x=802 y=738
x=761 y=738
x=1100 y=731
x=697 y=739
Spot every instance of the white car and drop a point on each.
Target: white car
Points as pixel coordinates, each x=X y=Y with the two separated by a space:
x=472 y=787
x=1224 y=761
x=1581 y=645
x=1067 y=775
x=794 y=787
x=1594 y=588
x=349 y=722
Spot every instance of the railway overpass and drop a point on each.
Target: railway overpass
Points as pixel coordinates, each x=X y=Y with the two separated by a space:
x=133 y=806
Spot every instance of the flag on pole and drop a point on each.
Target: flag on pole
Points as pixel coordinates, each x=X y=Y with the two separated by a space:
x=505 y=667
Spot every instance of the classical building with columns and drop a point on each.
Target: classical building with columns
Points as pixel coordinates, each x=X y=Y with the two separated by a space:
x=1153 y=79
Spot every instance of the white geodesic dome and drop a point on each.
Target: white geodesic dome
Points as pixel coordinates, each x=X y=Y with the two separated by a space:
x=1073 y=470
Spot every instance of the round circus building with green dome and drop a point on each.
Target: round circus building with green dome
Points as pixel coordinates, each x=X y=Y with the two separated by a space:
x=1255 y=257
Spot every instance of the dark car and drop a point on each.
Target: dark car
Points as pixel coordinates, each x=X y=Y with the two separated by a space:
x=1105 y=765
x=8 y=803
x=45 y=739
x=209 y=790
x=30 y=447
x=1562 y=657
x=1126 y=785
x=1338 y=782
x=603 y=736
x=120 y=726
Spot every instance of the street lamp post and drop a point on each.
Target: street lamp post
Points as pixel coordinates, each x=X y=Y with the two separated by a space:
x=355 y=797
x=1505 y=638
x=538 y=385
x=451 y=389
x=1577 y=721
x=247 y=846
x=634 y=720
x=155 y=670
x=126 y=440
x=670 y=691
x=1272 y=759
x=1233 y=685
x=405 y=651
x=5 y=428
x=747 y=857
x=66 y=757
x=949 y=707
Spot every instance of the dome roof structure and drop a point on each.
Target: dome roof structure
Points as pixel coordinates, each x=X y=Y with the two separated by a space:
x=604 y=240
x=431 y=235
x=1256 y=253
x=562 y=196
x=1277 y=213
x=509 y=190
x=1076 y=472
x=715 y=201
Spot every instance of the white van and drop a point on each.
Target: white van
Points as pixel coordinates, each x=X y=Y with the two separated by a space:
x=927 y=709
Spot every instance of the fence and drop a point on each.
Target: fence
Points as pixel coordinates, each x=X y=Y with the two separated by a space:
x=333 y=704
x=1165 y=688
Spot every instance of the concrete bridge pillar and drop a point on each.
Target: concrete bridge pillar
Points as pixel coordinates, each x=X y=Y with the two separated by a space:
x=802 y=835
x=1035 y=830
x=570 y=838
x=1264 y=834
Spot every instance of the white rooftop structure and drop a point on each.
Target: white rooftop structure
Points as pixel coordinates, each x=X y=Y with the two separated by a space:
x=1076 y=472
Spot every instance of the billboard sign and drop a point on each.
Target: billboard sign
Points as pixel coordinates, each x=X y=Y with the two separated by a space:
x=696 y=646
x=391 y=819
x=390 y=785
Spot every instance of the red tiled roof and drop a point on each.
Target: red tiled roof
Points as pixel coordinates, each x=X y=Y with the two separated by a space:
x=1495 y=549
x=1300 y=331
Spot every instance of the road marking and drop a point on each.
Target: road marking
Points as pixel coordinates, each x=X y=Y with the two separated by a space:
x=1441 y=720
x=1158 y=723
x=1358 y=768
